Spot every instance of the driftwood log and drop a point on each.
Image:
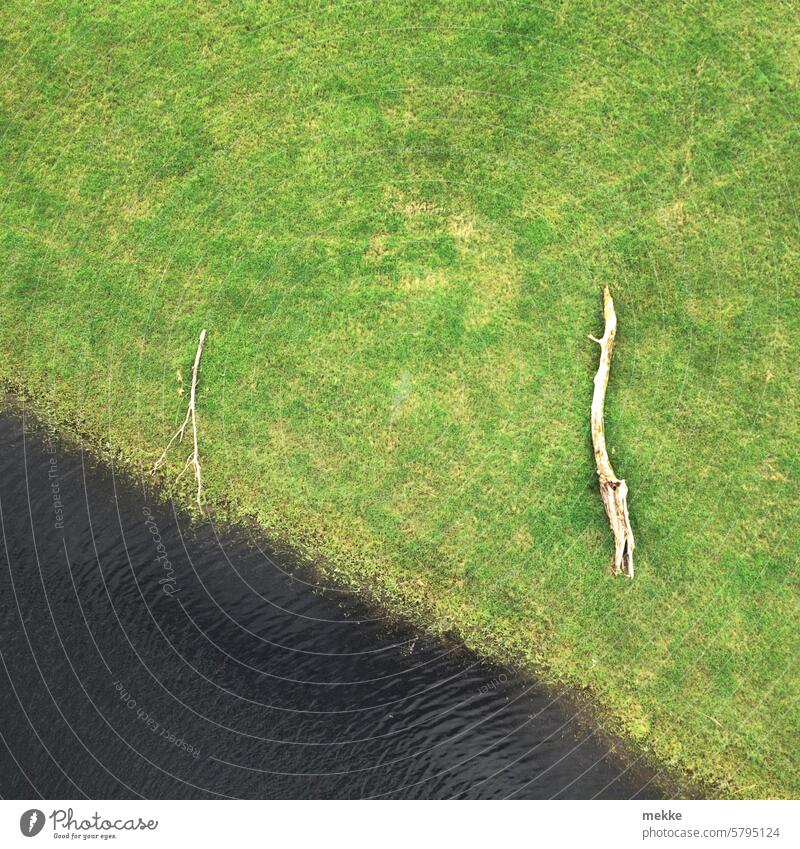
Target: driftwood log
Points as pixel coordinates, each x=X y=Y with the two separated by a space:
x=613 y=491
x=193 y=460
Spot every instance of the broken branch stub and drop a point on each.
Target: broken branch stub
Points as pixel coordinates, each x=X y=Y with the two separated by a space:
x=193 y=460
x=613 y=491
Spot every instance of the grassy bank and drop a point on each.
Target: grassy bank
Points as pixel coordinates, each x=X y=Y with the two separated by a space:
x=395 y=220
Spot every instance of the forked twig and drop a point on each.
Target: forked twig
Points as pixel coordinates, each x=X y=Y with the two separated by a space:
x=193 y=459
x=613 y=491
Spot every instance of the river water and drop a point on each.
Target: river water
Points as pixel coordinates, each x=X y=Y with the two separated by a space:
x=143 y=656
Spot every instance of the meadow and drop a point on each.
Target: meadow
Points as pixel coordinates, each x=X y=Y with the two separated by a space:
x=395 y=220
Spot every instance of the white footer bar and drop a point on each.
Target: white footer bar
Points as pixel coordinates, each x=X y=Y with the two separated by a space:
x=388 y=824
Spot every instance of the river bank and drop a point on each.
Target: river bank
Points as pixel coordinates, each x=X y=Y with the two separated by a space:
x=144 y=654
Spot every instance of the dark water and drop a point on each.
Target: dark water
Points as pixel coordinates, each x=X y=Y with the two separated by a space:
x=221 y=670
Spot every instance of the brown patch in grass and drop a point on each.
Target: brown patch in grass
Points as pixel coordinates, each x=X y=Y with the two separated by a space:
x=427 y=282
x=411 y=207
x=462 y=228
x=377 y=247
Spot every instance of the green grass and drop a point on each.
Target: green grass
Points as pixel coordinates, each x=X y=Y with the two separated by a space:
x=395 y=220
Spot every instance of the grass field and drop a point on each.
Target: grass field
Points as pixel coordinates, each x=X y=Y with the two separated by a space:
x=395 y=220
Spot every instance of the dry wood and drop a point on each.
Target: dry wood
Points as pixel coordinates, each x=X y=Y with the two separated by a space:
x=193 y=459
x=613 y=491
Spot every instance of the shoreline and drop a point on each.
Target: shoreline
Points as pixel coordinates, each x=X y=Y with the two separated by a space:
x=403 y=610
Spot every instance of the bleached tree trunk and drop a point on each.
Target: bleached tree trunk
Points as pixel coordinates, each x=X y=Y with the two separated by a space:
x=613 y=491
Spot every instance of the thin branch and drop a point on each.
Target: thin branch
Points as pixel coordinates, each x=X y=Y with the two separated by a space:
x=613 y=491
x=193 y=460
